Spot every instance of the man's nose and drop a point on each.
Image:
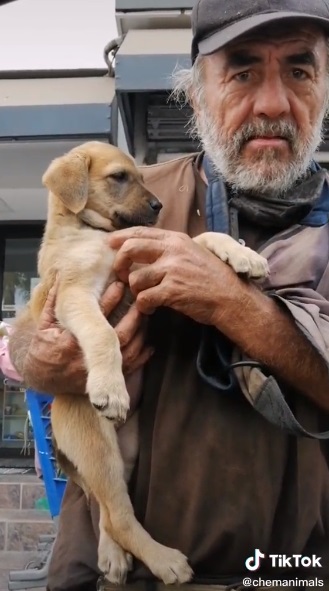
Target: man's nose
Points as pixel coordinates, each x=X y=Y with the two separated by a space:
x=271 y=99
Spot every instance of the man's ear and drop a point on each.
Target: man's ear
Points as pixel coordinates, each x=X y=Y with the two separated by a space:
x=67 y=178
x=194 y=102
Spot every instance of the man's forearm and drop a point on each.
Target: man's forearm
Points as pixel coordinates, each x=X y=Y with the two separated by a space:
x=267 y=333
x=19 y=343
x=51 y=375
x=34 y=375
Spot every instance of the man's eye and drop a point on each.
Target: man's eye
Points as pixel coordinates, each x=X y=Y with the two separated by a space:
x=299 y=74
x=242 y=76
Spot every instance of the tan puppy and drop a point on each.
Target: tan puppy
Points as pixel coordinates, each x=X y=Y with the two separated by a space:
x=95 y=189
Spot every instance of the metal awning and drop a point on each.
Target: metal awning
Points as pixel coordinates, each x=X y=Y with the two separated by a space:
x=144 y=65
x=156 y=40
x=147 y=58
x=151 y=14
x=56 y=106
x=144 y=5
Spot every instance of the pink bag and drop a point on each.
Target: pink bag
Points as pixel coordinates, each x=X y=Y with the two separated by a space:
x=6 y=365
x=9 y=371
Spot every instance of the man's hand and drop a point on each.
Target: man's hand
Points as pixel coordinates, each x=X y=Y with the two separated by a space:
x=178 y=273
x=181 y=275
x=56 y=358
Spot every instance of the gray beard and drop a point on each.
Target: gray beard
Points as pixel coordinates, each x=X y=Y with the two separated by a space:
x=268 y=175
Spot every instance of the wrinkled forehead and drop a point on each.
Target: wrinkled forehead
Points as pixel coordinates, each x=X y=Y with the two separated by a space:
x=290 y=40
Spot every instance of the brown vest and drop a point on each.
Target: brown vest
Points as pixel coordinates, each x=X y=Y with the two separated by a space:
x=214 y=478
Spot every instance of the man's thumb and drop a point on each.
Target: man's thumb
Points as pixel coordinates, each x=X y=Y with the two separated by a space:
x=112 y=297
x=48 y=318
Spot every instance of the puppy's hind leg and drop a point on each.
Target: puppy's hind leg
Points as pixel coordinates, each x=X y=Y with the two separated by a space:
x=75 y=426
x=168 y=564
x=113 y=561
x=103 y=470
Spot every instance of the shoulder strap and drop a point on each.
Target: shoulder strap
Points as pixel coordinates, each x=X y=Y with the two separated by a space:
x=262 y=392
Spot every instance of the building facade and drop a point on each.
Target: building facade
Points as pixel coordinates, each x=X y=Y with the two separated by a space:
x=44 y=114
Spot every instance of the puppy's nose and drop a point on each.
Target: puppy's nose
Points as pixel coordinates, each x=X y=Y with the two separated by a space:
x=155 y=204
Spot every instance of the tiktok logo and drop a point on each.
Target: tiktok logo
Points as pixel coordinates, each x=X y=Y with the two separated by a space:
x=284 y=560
x=253 y=562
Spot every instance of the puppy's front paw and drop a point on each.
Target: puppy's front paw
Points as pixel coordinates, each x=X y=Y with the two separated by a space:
x=245 y=260
x=241 y=258
x=108 y=394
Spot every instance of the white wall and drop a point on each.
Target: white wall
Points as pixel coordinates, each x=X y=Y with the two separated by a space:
x=55 y=34
x=46 y=34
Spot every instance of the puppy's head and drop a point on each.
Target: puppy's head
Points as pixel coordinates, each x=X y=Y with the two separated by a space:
x=100 y=177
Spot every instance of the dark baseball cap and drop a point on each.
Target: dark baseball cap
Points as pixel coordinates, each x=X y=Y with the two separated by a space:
x=218 y=22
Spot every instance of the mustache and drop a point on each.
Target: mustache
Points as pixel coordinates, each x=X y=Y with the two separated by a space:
x=283 y=129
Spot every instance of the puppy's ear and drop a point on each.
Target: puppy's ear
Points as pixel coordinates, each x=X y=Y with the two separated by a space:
x=67 y=178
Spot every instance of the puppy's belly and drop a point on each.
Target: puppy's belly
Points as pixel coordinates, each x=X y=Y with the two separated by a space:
x=128 y=444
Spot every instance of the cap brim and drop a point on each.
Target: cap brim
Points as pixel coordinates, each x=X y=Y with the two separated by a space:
x=221 y=38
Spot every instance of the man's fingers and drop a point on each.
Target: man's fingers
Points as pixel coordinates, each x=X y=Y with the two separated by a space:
x=140 y=361
x=134 y=348
x=149 y=300
x=128 y=326
x=136 y=354
x=145 y=277
x=112 y=297
x=117 y=238
x=141 y=251
x=47 y=317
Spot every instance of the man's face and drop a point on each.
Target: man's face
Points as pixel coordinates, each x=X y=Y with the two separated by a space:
x=261 y=107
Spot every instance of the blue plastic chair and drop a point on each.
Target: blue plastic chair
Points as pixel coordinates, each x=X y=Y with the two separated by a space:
x=39 y=406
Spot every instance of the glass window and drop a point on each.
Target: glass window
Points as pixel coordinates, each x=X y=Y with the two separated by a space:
x=20 y=274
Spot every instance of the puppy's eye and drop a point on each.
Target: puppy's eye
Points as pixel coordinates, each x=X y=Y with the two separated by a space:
x=120 y=177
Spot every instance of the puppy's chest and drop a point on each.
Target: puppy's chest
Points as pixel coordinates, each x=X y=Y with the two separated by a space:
x=83 y=258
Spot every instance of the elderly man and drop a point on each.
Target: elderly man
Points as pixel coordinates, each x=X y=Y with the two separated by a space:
x=234 y=407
